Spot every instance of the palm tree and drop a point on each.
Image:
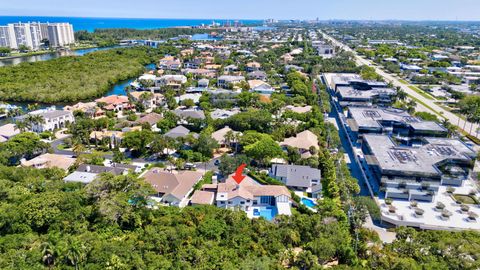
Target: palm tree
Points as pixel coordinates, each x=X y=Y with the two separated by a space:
x=14 y=112
x=229 y=137
x=78 y=148
x=22 y=126
x=75 y=252
x=450 y=128
x=34 y=119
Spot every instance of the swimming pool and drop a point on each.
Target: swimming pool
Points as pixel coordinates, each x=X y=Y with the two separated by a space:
x=268 y=212
x=308 y=203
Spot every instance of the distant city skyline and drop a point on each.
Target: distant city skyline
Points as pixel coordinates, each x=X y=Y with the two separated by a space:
x=465 y=10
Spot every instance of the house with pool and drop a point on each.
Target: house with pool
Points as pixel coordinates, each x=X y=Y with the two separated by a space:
x=255 y=199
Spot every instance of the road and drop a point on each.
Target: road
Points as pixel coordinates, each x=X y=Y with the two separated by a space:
x=428 y=104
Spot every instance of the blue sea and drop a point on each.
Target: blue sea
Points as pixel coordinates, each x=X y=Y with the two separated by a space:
x=90 y=24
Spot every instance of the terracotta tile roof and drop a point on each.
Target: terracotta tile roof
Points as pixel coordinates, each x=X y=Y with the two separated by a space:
x=113 y=99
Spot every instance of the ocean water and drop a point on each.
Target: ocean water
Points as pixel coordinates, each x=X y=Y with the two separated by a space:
x=90 y=24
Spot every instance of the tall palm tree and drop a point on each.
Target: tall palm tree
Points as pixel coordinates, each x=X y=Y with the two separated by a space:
x=22 y=125
x=78 y=148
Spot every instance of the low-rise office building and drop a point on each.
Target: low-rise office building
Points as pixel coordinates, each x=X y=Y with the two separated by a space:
x=391 y=121
x=351 y=90
x=415 y=173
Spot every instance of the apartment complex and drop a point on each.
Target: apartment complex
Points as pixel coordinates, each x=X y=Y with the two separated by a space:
x=31 y=35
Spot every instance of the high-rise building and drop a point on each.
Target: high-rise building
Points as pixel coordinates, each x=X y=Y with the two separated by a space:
x=31 y=34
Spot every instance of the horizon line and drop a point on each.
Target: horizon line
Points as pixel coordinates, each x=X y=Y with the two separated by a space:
x=248 y=19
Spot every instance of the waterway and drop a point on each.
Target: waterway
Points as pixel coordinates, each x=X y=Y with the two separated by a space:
x=49 y=56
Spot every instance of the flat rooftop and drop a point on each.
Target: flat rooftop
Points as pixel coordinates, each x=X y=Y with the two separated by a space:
x=350 y=92
x=416 y=161
x=367 y=117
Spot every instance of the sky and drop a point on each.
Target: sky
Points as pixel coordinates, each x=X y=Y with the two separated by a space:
x=250 y=9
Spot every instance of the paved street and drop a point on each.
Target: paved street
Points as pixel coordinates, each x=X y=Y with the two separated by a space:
x=452 y=118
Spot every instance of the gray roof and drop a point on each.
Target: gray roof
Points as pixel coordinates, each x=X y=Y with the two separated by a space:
x=371 y=118
x=415 y=161
x=295 y=175
x=177 y=132
x=190 y=113
x=117 y=170
x=82 y=177
x=54 y=114
x=348 y=92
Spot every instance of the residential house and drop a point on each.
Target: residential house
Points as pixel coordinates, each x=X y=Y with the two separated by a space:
x=170 y=63
x=220 y=135
x=252 y=66
x=260 y=87
x=52 y=120
x=223 y=114
x=86 y=173
x=293 y=67
x=115 y=103
x=230 y=68
x=115 y=137
x=7 y=131
x=257 y=75
x=303 y=141
x=255 y=199
x=172 y=188
x=150 y=119
x=189 y=113
x=172 y=81
x=48 y=160
x=203 y=83
x=155 y=100
x=177 y=132
x=201 y=197
x=201 y=72
x=227 y=81
x=297 y=177
x=89 y=108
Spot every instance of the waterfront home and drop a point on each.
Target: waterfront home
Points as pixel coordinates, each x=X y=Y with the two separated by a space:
x=89 y=108
x=172 y=188
x=52 y=120
x=303 y=141
x=115 y=103
x=228 y=81
x=170 y=63
x=260 y=87
x=297 y=177
x=171 y=81
x=48 y=160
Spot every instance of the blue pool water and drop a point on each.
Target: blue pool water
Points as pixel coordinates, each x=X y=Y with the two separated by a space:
x=267 y=213
x=308 y=202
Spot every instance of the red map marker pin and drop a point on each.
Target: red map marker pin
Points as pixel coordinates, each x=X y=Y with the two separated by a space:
x=238 y=177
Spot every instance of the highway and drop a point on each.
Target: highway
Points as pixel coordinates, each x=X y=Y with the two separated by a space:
x=428 y=104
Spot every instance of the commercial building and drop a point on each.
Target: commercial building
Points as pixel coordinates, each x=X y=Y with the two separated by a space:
x=352 y=90
x=391 y=121
x=415 y=173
